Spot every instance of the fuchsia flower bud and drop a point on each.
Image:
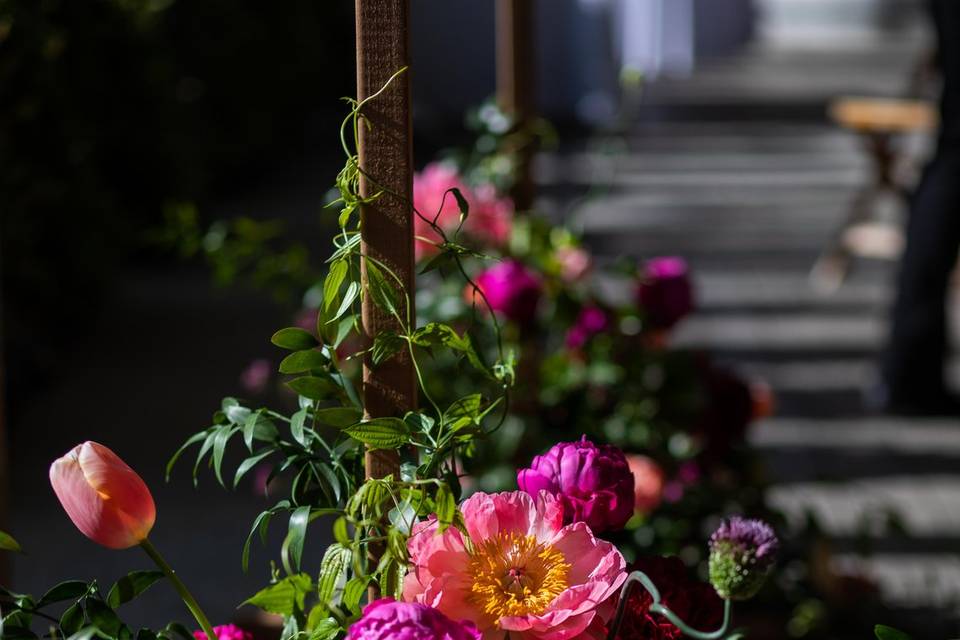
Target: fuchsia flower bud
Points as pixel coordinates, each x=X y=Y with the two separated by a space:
x=664 y=292
x=511 y=289
x=594 y=483
x=386 y=619
x=226 y=632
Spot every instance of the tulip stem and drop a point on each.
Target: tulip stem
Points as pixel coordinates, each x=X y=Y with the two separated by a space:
x=181 y=588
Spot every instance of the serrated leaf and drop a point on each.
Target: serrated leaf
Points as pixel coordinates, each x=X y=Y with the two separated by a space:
x=331 y=284
x=313 y=387
x=131 y=585
x=323 y=628
x=381 y=433
x=465 y=407
x=69 y=590
x=333 y=573
x=354 y=591
x=294 y=339
x=338 y=417
x=303 y=361
x=285 y=596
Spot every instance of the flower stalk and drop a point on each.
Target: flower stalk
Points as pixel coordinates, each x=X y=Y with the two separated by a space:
x=181 y=588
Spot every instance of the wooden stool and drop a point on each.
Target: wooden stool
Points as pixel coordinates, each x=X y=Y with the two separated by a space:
x=879 y=122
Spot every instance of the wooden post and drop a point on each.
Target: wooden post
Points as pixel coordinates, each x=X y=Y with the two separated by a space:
x=386 y=155
x=515 y=88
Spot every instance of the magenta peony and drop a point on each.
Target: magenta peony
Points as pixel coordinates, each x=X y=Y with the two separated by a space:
x=511 y=289
x=664 y=292
x=647 y=483
x=490 y=219
x=594 y=483
x=590 y=322
x=226 y=632
x=387 y=619
x=520 y=572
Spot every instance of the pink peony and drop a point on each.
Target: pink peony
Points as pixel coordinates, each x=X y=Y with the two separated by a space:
x=647 y=483
x=387 y=619
x=490 y=219
x=226 y=632
x=521 y=572
x=593 y=483
x=665 y=292
x=590 y=322
x=511 y=289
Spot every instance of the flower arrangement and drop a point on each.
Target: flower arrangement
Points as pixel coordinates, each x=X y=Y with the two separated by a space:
x=412 y=557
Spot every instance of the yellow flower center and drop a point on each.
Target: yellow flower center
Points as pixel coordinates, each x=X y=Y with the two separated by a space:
x=514 y=575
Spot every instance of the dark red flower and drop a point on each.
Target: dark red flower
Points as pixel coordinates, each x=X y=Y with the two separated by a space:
x=695 y=602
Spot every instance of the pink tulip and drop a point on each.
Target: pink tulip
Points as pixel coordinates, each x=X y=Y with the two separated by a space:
x=104 y=498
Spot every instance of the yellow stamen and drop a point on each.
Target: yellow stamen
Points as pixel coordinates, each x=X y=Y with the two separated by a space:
x=515 y=575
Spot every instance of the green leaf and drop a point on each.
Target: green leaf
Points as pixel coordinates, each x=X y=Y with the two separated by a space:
x=883 y=632
x=72 y=619
x=261 y=524
x=296 y=426
x=259 y=427
x=69 y=590
x=419 y=422
x=331 y=479
x=465 y=407
x=86 y=633
x=384 y=294
x=292 y=550
x=197 y=437
x=385 y=345
x=381 y=433
x=331 y=284
x=178 y=629
x=438 y=261
x=340 y=533
x=7 y=543
x=462 y=204
x=285 y=596
x=294 y=339
x=446 y=506
x=303 y=361
x=219 y=445
x=132 y=585
x=343 y=328
x=322 y=628
x=339 y=417
x=353 y=290
x=354 y=591
x=333 y=573
x=248 y=464
x=313 y=387
x=103 y=617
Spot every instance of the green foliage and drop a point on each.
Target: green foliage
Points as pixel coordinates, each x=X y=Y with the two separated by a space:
x=883 y=632
x=8 y=543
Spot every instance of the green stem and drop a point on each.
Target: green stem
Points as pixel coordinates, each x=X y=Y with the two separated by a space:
x=658 y=607
x=181 y=588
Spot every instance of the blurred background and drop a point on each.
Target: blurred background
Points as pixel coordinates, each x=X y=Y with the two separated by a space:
x=714 y=125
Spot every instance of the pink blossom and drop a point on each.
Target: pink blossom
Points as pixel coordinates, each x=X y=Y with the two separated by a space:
x=490 y=218
x=226 y=632
x=593 y=483
x=387 y=619
x=664 y=292
x=647 y=483
x=590 y=322
x=511 y=289
x=522 y=572
x=575 y=263
x=256 y=375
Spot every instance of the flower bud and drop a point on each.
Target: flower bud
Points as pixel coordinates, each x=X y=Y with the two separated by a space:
x=664 y=292
x=104 y=498
x=226 y=632
x=742 y=553
x=594 y=483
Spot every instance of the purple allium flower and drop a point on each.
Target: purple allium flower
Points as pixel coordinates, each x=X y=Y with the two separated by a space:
x=511 y=289
x=664 y=291
x=742 y=553
x=594 y=483
x=590 y=322
x=387 y=619
x=226 y=632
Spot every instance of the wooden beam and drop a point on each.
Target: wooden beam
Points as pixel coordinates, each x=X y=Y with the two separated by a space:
x=386 y=155
x=515 y=85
